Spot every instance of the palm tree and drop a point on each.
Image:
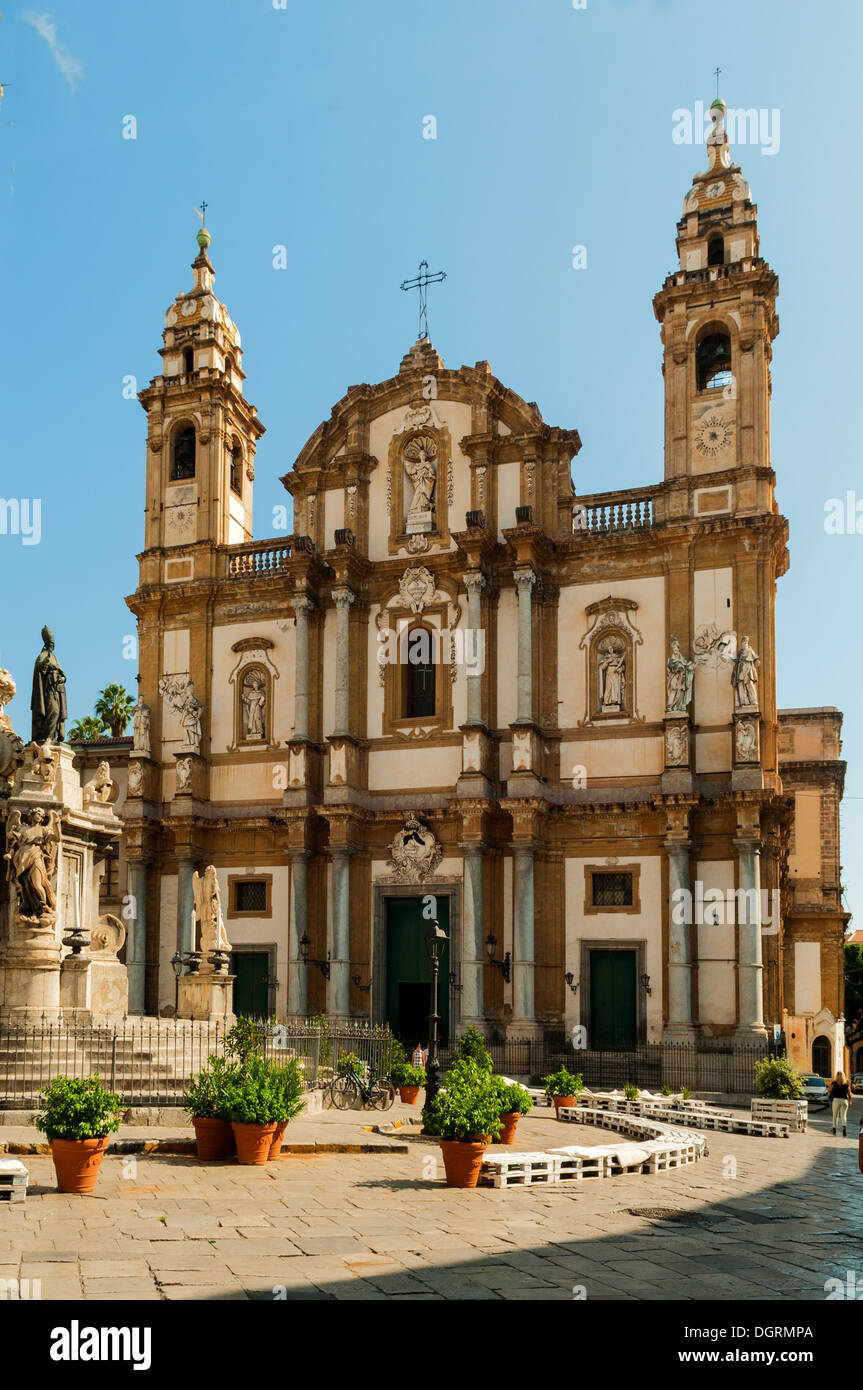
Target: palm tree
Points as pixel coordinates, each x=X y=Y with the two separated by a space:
x=87 y=728
x=114 y=707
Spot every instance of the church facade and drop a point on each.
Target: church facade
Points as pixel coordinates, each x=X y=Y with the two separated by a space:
x=460 y=691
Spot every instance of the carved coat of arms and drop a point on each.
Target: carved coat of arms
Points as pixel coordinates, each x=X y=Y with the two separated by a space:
x=415 y=852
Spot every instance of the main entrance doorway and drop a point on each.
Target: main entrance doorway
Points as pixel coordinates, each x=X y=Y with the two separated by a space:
x=251 y=987
x=409 y=970
x=613 y=1016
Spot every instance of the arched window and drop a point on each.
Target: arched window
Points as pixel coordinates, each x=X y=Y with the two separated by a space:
x=235 y=455
x=188 y=360
x=419 y=677
x=183 y=460
x=713 y=361
x=822 y=1056
x=716 y=251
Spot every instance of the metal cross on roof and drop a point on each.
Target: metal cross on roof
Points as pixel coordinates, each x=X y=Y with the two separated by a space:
x=716 y=73
x=421 y=282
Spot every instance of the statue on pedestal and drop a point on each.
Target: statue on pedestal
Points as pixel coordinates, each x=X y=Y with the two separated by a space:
x=208 y=910
x=744 y=677
x=141 y=728
x=48 y=703
x=31 y=860
x=679 y=678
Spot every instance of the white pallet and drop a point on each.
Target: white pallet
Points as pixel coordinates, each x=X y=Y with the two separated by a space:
x=13 y=1180
x=520 y=1170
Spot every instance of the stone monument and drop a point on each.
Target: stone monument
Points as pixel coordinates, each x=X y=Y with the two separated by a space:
x=206 y=992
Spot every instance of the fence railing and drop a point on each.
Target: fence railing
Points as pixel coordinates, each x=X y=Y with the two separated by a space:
x=150 y=1061
x=256 y=558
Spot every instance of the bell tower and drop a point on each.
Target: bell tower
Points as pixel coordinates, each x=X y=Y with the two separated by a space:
x=718 y=318
x=202 y=432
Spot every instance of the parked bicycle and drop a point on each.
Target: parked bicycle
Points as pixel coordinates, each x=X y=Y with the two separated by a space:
x=349 y=1091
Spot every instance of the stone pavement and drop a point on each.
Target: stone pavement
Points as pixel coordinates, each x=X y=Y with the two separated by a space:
x=758 y=1219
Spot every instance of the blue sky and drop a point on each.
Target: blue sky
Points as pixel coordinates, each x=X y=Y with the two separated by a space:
x=303 y=127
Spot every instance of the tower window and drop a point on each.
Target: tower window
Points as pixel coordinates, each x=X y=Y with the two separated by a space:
x=611 y=890
x=716 y=251
x=183 y=462
x=713 y=362
x=236 y=468
x=420 y=676
x=188 y=360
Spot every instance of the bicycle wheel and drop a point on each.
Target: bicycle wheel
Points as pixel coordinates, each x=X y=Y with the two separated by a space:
x=343 y=1092
x=382 y=1095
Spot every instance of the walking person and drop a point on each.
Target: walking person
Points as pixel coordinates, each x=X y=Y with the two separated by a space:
x=840 y=1095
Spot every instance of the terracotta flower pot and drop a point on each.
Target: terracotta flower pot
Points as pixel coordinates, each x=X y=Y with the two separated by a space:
x=562 y=1100
x=462 y=1161
x=253 y=1142
x=510 y=1125
x=215 y=1138
x=408 y=1094
x=77 y=1163
x=276 y=1146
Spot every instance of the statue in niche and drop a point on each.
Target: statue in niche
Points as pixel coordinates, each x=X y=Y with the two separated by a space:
x=419 y=461
x=677 y=746
x=611 y=673
x=32 y=840
x=679 y=678
x=747 y=742
x=48 y=703
x=208 y=910
x=141 y=728
x=254 y=700
x=744 y=677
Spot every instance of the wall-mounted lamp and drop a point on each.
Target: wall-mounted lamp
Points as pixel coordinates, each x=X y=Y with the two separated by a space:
x=359 y=985
x=323 y=965
x=645 y=984
x=505 y=965
x=569 y=977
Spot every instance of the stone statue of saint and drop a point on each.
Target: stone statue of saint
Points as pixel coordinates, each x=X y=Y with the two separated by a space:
x=48 y=704
x=679 y=678
x=254 y=702
x=744 y=677
x=141 y=727
x=208 y=910
x=31 y=860
x=420 y=467
x=612 y=678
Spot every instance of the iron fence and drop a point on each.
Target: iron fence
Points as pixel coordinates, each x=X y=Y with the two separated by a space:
x=150 y=1061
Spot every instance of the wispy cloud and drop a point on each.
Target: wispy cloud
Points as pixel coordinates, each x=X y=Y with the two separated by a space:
x=71 y=68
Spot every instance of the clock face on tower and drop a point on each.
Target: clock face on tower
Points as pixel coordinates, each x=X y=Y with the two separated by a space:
x=712 y=435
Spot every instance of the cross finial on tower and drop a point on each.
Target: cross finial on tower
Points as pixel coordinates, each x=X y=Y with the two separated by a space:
x=203 y=212
x=716 y=73
x=421 y=282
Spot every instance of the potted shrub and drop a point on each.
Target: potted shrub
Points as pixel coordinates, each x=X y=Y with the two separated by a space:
x=288 y=1082
x=206 y=1102
x=79 y=1115
x=471 y=1047
x=409 y=1079
x=255 y=1106
x=562 y=1087
x=514 y=1101
x=465 y=1115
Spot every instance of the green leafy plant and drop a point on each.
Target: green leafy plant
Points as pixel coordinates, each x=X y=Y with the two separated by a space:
x=287 y=1081
x=563 y=1083
x=207 y=1094
x=666 y=1091
x=471 y=1046
x=349 y=1064
x=777 y=1078
x=87 y=728
x=685 y=1093
x=114 y=707
x=245 y=1041
x=255 y=1096
x=468 y=1106
x=78 y=1108
x=630 y=1090
x=514 y=1100
x=406 y=1074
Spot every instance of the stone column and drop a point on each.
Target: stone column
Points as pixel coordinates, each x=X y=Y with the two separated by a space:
x=524 y=582
x=523 y=961
x=343 y=598
x=339 y=990
x=474 y=582
x=302 y=608
x=136 y=934
x=680 y=939
x=298 y=971
x=750 y=967
x=473 y=943
x=185 y=905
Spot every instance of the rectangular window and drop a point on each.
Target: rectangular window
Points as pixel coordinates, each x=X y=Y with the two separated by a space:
x=250 y=895
x=611 y=890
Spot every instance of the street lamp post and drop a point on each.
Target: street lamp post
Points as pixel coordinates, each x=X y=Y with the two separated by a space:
x=177 y=967
x=435 y=940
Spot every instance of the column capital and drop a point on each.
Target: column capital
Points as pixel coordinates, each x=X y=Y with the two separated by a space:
x=302 y=603
x=524 y=578
x=342 y=596
x=474 y=581
x=746 y=844
x=677 y=846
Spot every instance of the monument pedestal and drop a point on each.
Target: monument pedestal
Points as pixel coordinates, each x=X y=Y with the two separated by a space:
x=206 y=996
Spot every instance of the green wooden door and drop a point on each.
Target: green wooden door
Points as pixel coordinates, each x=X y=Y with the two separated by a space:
x=251 y=993
x=409 y=970
x=613 y=999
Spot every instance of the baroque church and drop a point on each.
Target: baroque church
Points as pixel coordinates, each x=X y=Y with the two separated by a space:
x=461 y=691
